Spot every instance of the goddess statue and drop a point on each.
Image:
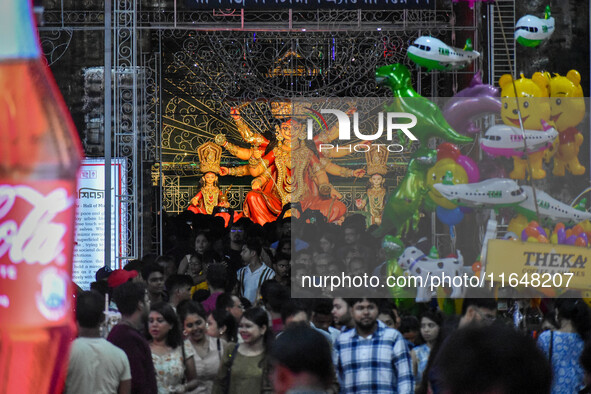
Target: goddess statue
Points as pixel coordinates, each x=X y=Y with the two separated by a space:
x=285 y=169
x=209 y=196
x=372 y=203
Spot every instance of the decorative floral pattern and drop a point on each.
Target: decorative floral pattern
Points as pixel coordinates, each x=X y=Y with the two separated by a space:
x=566 y=351
x=170 y=369
x=422 y=353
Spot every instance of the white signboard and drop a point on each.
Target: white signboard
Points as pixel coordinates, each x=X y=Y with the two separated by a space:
x=89 y=249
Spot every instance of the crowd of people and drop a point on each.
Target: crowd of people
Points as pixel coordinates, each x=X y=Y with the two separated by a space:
x=215 y=314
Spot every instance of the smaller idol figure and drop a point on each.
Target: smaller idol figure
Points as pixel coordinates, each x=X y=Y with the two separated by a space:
x=372 y=203
x=210 y=195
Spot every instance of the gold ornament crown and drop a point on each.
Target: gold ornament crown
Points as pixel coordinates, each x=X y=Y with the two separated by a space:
x=282 y=109
x=210 y=155
x=286 y=109
x=376 y=161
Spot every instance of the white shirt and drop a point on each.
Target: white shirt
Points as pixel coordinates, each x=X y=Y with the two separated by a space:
x=250 y=281
x=96 y=367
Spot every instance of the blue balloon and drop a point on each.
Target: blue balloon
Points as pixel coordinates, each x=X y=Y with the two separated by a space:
x=451 y=217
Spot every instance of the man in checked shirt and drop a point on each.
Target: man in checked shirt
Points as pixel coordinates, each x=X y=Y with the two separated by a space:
x=372 y=358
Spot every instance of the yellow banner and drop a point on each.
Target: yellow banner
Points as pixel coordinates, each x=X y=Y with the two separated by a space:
x=535 y=265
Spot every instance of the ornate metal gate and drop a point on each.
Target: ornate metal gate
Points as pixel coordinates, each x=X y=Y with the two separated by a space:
x=177 y=73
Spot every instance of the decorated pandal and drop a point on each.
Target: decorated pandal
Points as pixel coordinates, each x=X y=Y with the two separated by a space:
x=537 y=122
x=287 y=170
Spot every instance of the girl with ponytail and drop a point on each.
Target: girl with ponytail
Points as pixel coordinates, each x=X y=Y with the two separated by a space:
x=563 y=346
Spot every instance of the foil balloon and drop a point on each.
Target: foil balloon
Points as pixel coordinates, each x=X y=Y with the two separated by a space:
x=530 y=30
x=434 y=54
x=430 y=121
x=445 y=171
x=568 y=110
x=402 y=209
x=418 y=264
x=451 y=217
x=534 y=105
x=470 y=167
x=493 y=193
x=393 y=247
x=471 y=103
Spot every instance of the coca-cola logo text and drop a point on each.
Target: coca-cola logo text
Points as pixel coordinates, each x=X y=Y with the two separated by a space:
x=36 y=239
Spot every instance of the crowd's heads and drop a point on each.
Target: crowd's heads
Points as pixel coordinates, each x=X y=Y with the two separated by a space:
x=193 y=320
x=216 y=276
x=321 y=313
x=284 y=246
x=256 y=317
x=189 y=307
x=341 y=312
x=131 y=297
x=230 y=303
x=295 y=311
x=251 y=249
x=327 y=242
x=480 y=308
x=492 y=359
x=386 y=316
x=282 y=265
x=284 y=228
x=237 y=232
x=135 y=265
x=409 y=328
x=168 y=265
x=90 y=309
x=221 y=324
x=351 y=235
x=162 y=320
x=274 y=295
x=301 y=357
x=364 y=312
x=549 y=321
x=153 y=274
x=102 y=273
x=179 y=287
x=353 y=229
x=321 y=262
x=430 y=324
x=202 y=243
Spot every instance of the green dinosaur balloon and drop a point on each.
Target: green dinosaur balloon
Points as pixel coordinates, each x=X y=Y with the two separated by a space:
x=393 y=247
x=430 y=121
x=401 y=211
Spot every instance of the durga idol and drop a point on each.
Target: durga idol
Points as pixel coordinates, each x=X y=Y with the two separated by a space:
x=285 y=170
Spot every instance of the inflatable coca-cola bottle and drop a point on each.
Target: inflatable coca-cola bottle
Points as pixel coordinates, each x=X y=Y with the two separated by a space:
x=40 y=155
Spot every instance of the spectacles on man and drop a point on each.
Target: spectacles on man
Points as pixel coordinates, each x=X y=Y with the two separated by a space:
x=486 y=316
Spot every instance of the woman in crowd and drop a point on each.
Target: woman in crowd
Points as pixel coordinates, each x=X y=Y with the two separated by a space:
x=327 y=243
x=208 y=350
x=244 y=367
x=564 y=346
x=222 y=325
x=430 y=326
x=173 y=358
x=203 y=253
